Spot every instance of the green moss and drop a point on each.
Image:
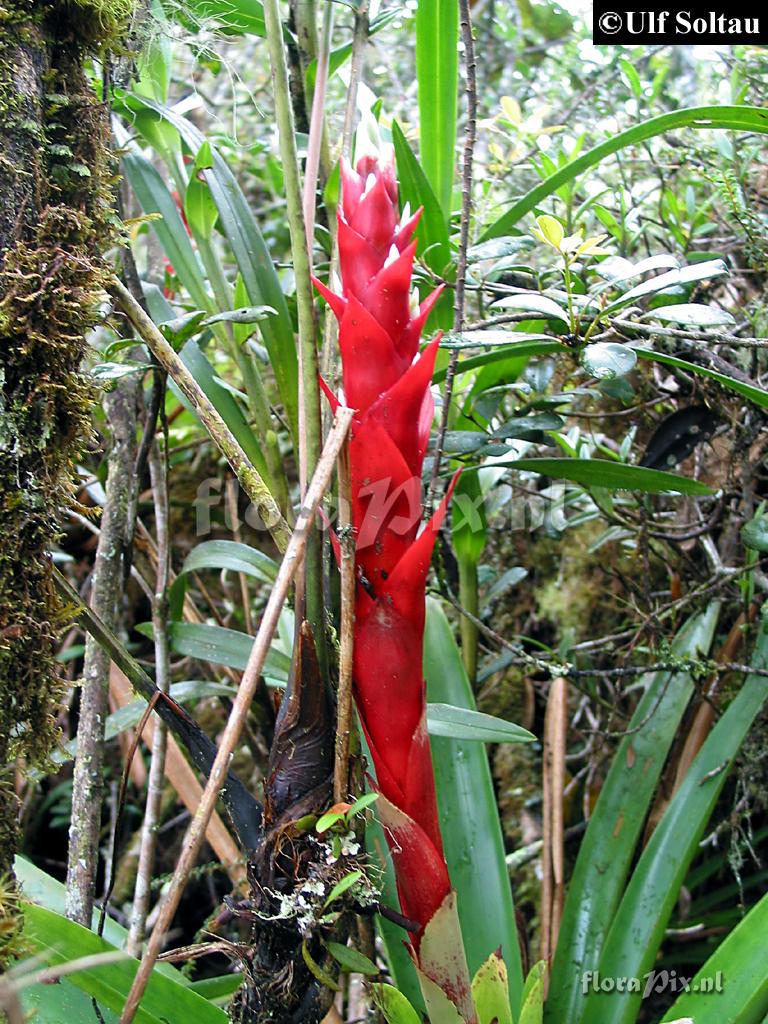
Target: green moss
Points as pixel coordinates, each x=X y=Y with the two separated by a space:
x=52 y=276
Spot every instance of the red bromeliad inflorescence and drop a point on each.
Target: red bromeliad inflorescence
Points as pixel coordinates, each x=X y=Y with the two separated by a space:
x=388 y=382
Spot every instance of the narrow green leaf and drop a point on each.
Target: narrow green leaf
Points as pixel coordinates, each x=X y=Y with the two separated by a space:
x=637 y=931
x=229 y=554
x=437 y=73
x=218 y=990
x=745 y=119
x=394 y=1005
x=362 y=802
x=750 y=391
x=469 y=817
x=155 y=197
x=666 y=282
x=244 y=315
x=58 y=940
x=325 y=821
x=518 y=350
x=432 y=233
x=221 y=647
x=351 y=959
x=612 y=475
x=533 y=995
x=259 y=275
x=490 y=992
x=342 y=886
x=314 y=967
x=740 y=966
x=62 y=1003
x=607 y=849
x=234 y=17
x=224 y=402
x=43 y=889
x=466 y=724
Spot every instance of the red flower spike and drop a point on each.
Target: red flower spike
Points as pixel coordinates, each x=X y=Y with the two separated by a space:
x=388 y=384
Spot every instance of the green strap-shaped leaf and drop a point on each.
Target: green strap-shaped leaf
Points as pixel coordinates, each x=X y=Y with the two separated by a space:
x=745 y=119
x=62 y=1003
x=754 y=394
x=638 y=928
x=229 y=554
x=616 y=476
x=469 y=817
x=154 y=196
x=432 y=233
x=220 y=397
x=221 y=646
x=437 y=73
x=467 y=724
x=235 y=17
x=532 y=1010
x=237 y=222
x=490 y=992
x=609 y=843
x=732 y=986
x=394 y=1005
x=516 y=350
x=58 y=940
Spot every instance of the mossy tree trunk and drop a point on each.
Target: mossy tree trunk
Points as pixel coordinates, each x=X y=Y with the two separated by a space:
x=56 y=223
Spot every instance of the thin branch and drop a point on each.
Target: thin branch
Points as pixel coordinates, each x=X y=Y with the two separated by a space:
x=710 y=337
x=249 y=478
x=317 y=126
x=158 y=468
x=344 y=695
x=245 y=597
x=120 y=406
x=470 y=134
x=196 y=832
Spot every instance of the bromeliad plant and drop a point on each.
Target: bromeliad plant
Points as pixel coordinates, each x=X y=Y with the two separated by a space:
x=387 y=382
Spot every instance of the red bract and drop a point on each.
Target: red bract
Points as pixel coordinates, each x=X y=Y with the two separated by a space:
x=388 y=384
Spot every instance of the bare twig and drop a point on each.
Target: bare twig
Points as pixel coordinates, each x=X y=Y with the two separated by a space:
x=317 y=126
x=470 y=134
x=710 y=337
x=195 y=833
x=245 y=597
x=120 y=406
x=158 y=468
x=344 y=695
x=249 y=478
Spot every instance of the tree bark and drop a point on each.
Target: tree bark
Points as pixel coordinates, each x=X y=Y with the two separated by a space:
x=55 y=222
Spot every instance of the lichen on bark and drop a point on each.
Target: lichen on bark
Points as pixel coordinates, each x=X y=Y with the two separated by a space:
x=56 y=224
